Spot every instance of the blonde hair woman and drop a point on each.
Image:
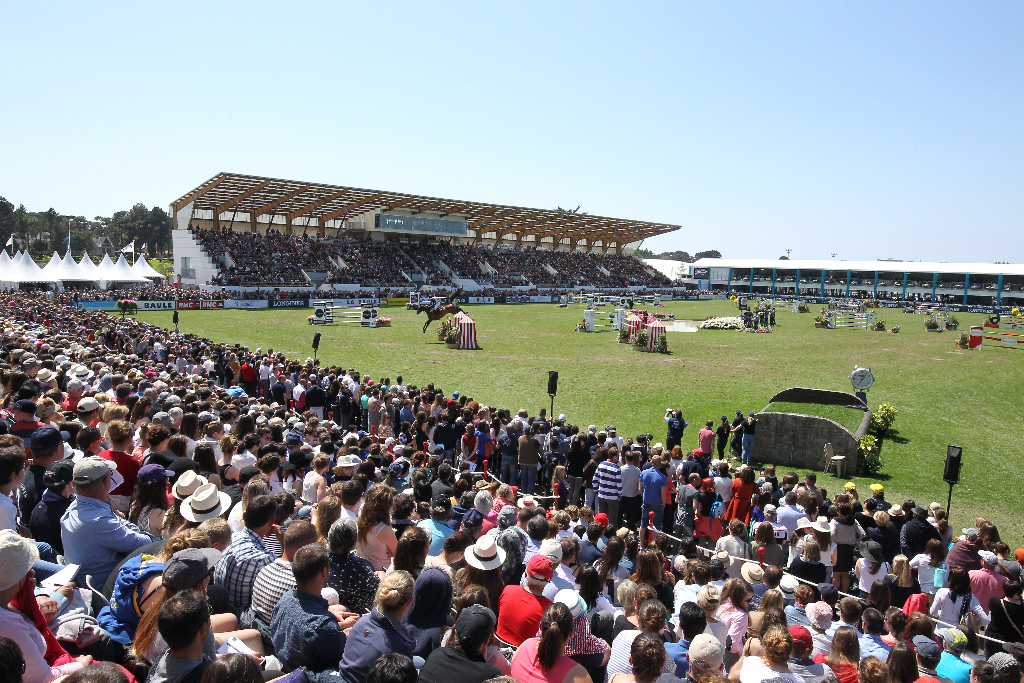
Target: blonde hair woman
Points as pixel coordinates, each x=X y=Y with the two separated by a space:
x=382 y=630
x=901 y=581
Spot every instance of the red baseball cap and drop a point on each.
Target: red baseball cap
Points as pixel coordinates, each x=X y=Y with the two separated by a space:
x=540 y=567
x=601 y=518
x=801 y=637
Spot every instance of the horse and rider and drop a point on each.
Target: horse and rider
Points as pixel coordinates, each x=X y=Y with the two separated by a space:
x=439 y=308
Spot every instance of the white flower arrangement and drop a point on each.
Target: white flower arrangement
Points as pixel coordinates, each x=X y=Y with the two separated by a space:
x=722 y=324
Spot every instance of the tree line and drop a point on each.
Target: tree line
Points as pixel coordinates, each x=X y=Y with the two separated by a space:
x=43 y=232
x=679 y=255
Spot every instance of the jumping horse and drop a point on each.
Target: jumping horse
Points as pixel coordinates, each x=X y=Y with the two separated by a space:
x=433 y=315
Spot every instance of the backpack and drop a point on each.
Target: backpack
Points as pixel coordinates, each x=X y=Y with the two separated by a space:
x=717 y=509
x=121 y=616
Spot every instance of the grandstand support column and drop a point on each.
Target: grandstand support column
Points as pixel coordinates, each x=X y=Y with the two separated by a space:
x=967 y=284
x=751 y=281
x=822 y=283
x=773 y=280
x=797 y=290
x=935 y=284
x=728 y=281
x=999 y=290
x=287 y=225
x=216 y=220
x=905 y=273
x=849 y=276
x=252 y=221
x=875 y=294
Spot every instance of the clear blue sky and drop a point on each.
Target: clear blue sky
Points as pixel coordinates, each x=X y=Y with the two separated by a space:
x=870 y=129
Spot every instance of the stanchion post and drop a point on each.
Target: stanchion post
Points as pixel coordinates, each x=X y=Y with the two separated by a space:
x=760 y=556
x=556 y=495
x=650 y=527
x=485 y=469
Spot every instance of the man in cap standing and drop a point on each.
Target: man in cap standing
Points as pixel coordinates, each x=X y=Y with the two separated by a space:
x=465 y=658
x=94 y=537
x=47 y=448
x=986 y=582
x=705 y=655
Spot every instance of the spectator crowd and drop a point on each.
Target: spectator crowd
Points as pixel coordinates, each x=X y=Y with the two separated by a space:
x=174 y=509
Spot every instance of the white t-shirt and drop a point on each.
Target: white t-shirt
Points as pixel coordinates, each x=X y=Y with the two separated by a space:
x=723 y=487
x=754 y=671
x=925 y=572
x=265 y=372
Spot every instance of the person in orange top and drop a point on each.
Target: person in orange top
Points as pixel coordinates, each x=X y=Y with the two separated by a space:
x=120 y=435
x=743 y=488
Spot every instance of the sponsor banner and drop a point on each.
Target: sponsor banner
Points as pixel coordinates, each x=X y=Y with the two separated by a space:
x=476 y=299
x=156 y=305
x=98 y=305
x=368 y=301
x=420 y=225
x=199 y=305
x=395 y=301
x=289 y=303
x=245 y=303
x=526 y=299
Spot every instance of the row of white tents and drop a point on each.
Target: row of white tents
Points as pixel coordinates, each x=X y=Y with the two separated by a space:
x=21 y=268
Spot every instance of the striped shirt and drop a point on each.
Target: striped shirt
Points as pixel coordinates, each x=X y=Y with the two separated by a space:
x=271 y=583
x=608 y=481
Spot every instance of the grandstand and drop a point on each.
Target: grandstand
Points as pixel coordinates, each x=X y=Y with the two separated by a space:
x=244 y=231
x=966 y=284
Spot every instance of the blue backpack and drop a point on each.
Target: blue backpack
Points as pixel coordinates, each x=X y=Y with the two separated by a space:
x=121 y=617
x=717 y=508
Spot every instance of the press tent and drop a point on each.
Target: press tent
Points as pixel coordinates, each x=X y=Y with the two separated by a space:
x=122 y=272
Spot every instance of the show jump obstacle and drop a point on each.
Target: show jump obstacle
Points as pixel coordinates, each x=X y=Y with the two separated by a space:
x=602 y=321
x=467 y=331
x=1003 y=340
x=326 y=313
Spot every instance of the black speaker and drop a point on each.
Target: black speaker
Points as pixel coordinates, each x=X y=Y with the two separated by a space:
x=951 y=473
x=175 y=318
x=552 y=382
x=316 y=340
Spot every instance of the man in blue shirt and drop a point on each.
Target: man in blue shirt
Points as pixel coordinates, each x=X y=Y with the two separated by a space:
x=437 y=525
x=950 y=665
x=305 y=631
x=692 y=622
x=654 y=483
x=871 y=643
x=94 y=537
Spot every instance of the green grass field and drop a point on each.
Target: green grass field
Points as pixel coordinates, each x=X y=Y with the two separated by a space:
x=944 y=396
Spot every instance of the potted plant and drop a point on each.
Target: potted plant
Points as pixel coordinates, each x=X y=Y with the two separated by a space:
x=624 y=334
x=802 y=308
x=895 y=329
x=931 y=325
x=879 y=325
x=963 y=341
x=443 y=328
x=129 y=306
x=641 y=339
x=819 y=321
x=953 y=323
x=451 y=338
x=661 y=346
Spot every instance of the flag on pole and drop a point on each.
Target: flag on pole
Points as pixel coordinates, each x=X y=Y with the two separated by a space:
x=145 y=249
x=128 y=247
x=10 y=242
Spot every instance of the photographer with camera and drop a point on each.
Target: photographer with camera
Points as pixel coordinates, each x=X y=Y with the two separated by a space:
x=676 y=426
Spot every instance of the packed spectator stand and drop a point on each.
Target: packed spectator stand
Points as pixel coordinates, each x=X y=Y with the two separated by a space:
x=273 y=259
x=324 y=525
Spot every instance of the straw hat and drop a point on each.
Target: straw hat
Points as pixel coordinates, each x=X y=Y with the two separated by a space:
x=187 y=484
x=205 y=503
x=485 y=554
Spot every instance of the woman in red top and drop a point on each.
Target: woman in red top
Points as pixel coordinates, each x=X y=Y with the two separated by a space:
x=843 y=655
x=743 y=488
x=543 y=660
x=706 y=525
x=119 y=433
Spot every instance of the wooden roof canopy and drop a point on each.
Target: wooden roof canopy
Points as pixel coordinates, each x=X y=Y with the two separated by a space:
x=321 y=203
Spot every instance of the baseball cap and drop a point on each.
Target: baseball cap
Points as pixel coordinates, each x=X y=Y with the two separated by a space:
x=87 y=470
x=152 y=473
x=540 y=568
x=787 y=585
x=926 y=647
x=60 y=473
x=953 y=637
x=187 y=567
x=801 y=637
x=571 y=599
x=441 y=503
x=705 y=653
x=25 y=405
x=88 y=404
x=877 y=488
x=601 y=518
x=475 y=625
x=972 y=533
x=829 y=593
x=395 y=468
x=48 y=436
